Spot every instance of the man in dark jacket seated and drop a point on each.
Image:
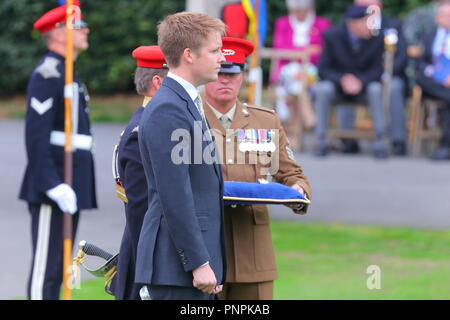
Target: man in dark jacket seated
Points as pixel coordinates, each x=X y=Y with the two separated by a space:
x=351 y=69
x=381 y=24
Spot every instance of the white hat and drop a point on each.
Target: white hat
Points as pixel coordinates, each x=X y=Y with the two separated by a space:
x=299 y=4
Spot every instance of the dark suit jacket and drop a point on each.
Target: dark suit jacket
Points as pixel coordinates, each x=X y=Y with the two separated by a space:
x=133 y=179
x=431 y=87
x=427 y=57
x=183 y=226
x=339 y=58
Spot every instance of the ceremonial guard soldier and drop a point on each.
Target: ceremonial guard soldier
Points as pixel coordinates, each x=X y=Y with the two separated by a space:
x=131 y=184
x=43 y=185
x=242 y=131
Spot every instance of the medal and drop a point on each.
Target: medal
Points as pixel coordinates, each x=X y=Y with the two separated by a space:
x=271 y=145
x=259 y=145
x=265 y=141
x=241 y=140
x=249 y=140
x=254 y=140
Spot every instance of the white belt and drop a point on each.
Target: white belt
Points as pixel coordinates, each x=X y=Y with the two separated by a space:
x=79 y=141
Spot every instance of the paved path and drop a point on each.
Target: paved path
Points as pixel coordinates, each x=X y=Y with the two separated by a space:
x=347 y=189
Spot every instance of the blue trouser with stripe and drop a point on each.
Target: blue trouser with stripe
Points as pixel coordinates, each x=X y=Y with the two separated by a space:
x=46 y=273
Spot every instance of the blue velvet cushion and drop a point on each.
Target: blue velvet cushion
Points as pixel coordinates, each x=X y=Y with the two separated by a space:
x=245 y=193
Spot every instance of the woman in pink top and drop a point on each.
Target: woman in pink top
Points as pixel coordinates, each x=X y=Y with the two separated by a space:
x=299 y=30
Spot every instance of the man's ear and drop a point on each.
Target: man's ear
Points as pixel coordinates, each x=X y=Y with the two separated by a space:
x=188 y=55
x=59 y=35
x=157 y=82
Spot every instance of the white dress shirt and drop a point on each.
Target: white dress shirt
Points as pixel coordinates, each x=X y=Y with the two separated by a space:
x=441 y=43
x=229 y=114
x=189 y=87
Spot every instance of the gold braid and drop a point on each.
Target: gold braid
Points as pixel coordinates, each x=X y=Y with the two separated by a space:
x=109 y=276
x=79 y=259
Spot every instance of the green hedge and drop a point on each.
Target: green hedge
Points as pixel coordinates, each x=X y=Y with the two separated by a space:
x=117 y=27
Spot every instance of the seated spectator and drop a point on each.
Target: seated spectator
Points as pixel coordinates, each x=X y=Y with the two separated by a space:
x=300 y=30
x=419 y=22
x=351 y=68
x=379 y=26
x=434 y=73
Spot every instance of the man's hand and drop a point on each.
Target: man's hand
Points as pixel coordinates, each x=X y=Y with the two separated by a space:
x=205 y=279
x=351 y=85
x=218 y=289
x=65 y=197
x=295 y=207
x=298 y=188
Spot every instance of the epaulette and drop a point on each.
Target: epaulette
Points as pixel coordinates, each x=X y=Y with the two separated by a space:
x=135 y=130
x=49 y=68
x=271 y=111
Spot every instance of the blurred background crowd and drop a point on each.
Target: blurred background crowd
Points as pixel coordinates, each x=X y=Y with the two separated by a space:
x=382 y=65
x=347 y=76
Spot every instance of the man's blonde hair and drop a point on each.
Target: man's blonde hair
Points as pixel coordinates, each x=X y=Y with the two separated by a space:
x=185 y=30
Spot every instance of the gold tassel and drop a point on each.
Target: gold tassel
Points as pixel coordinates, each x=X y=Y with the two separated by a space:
x=79 y=259
x=109 y=276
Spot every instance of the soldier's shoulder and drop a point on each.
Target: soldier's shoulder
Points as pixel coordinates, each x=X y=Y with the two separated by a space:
x=49 y=68
x=261 y=112
x=259 y=109
x=133 y=125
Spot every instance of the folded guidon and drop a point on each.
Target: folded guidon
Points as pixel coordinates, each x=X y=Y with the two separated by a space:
x=247 y=193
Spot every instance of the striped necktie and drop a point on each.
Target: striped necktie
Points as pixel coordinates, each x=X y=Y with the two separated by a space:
x=199 y=105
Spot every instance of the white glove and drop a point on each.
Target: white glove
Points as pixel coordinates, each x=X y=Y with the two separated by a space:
x=65 y=197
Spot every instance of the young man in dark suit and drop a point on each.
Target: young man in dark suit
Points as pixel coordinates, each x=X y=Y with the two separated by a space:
x=181 y=251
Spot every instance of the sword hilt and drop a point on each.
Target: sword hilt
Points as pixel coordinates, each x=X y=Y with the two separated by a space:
x=92 y=250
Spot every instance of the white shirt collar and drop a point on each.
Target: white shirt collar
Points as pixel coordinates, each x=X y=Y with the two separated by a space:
x=229 y=114
x=189 y=87
x=442 y=40
x=301 y=29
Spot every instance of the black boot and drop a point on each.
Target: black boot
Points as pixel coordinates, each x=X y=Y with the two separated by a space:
x=442 y=153
x=350 y=146
x=399 y=148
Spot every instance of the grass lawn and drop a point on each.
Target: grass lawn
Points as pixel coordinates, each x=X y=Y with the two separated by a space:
x=110 y=108
x=329 y=262
x=116 y=108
